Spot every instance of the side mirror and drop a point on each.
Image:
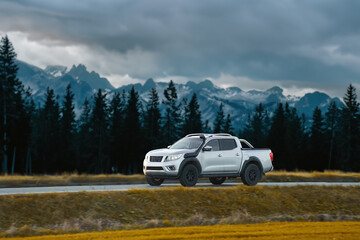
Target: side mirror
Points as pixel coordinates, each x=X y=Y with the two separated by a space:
x=168 y=146
x=207 y=148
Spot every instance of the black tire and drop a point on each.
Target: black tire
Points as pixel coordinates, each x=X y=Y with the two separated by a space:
x=154 y=181
x=189 y=176
x=217 y=180
x=251 y=175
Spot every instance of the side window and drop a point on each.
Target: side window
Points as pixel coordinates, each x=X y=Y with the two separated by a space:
x=214 y=144
x=244 y=145
x=227 y=144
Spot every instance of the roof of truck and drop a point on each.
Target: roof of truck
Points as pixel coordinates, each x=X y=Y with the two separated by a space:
x=207 y=135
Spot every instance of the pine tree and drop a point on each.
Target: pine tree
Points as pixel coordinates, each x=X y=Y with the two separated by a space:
x=99 y=130
x=48 y=142
x=276 y=137
x=84 y=139
x=117 y=112
x=192 y=121
x=257 y=127
x=133 y=134
x=219 y=120
x=331 y=121
x=11 y=100
x=152 y=119
x=317 y=139
x=350 y=122
x=294 y=135
x=67 y=124
x=228 y=128
x=206 y=128
x=172 y=118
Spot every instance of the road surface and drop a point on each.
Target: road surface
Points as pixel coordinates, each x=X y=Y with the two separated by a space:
x=98 y=188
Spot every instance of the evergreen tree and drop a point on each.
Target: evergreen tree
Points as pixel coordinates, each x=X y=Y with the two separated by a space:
x=277 y=138
x=206 y=128
x=293 y=135
x=350 y=131
x=219 y=120
x=11 y=102
x=257 y=127
x=152 y=119
x=48 y=125
x=192 y=121
x=133 y=134
x=172 y=118
x=117 y=112
x=99 y=130
x=228 y=128
x=67 y=124
x=84 y=140
x=331 y=122
x=317 y=155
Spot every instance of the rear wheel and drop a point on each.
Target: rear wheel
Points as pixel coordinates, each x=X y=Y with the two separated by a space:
x=251 y=175
x=217 y=180
x=154 y=181
x=189 y=176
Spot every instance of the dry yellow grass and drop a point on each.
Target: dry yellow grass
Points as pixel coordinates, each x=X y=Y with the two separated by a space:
x=326 y=176
x=82 y=179
x=68 y=179
x=270 y=231
x=178 y=206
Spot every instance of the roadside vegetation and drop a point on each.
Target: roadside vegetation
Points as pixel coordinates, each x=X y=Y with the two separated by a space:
x=44 y=214
x=281 y=230
x=67 y=179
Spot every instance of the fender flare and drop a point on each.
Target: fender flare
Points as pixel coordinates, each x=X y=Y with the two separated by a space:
x=254 y=160
x=190 y=160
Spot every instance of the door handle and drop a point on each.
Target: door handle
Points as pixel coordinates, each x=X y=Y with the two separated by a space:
x=220 y=155
x=237 y=154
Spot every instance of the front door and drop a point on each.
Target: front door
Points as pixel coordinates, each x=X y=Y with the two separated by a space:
x=211 y=160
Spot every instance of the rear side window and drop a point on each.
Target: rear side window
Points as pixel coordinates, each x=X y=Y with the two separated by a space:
x=244 y=145
x=227 y=144
x=214 y=144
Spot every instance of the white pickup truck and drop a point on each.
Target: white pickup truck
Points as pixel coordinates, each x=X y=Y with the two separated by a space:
x=216 y=156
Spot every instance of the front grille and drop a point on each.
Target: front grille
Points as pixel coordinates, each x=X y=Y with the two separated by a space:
x=155 y=158
x=154 y=168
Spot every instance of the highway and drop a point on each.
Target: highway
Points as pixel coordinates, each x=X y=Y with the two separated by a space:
x=126 y=187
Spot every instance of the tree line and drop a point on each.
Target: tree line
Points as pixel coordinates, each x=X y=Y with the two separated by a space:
x=113 y=132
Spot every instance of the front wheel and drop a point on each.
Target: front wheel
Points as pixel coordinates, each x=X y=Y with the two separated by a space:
x=251 y=175
x=217 y=180
x=189 y=176
x=154 y=181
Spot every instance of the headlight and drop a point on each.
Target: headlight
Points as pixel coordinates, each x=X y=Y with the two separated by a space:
x=173 y=157
x=147 y=157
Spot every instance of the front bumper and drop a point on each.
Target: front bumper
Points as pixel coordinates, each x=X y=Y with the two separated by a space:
x=162 y=169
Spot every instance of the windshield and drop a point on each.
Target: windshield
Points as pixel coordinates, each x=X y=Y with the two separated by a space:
x=187 y=143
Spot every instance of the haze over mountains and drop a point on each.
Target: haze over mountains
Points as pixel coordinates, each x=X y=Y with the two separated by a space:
x=237 y=102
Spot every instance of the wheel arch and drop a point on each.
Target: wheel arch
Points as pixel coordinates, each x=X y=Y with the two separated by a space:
x=253 y=160
x=187 y=161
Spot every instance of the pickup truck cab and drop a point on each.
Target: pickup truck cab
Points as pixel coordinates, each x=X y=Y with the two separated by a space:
x=213 y=156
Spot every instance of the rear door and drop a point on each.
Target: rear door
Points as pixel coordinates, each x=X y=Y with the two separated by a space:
x=230 y=155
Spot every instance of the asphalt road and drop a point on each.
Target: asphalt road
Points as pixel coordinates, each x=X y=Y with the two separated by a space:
x=99 y=188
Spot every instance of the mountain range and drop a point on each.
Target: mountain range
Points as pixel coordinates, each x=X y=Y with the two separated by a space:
x=237 y=102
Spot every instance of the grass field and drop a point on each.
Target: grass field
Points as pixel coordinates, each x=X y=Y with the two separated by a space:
x=271 y=231
x=55 y=213
x=86 y=179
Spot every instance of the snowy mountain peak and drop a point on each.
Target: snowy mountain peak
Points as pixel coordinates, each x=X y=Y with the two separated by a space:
x=55 y=70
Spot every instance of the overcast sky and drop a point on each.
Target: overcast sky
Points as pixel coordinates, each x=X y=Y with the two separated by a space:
x=298 y=45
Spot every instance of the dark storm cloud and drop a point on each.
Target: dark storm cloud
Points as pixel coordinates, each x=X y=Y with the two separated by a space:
x=308 y=42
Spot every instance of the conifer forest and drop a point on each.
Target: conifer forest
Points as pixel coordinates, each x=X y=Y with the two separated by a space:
x=113 y=132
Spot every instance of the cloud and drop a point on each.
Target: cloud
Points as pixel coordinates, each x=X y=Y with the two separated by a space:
x=299 y=44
